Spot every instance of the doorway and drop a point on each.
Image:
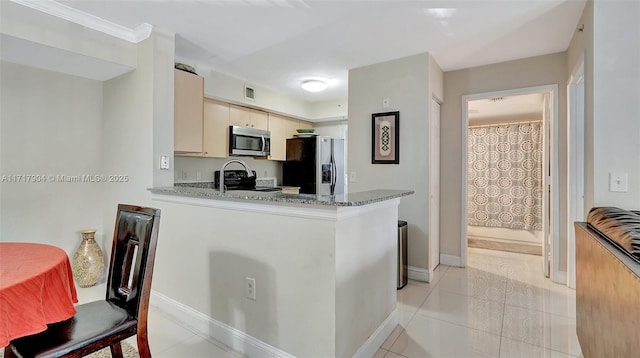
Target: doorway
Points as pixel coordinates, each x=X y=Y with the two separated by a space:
x=434 y=186
x=575 y=165
x=549 y=195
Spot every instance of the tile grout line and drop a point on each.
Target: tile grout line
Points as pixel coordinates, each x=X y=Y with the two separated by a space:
x=504 y=310
x=414 y=313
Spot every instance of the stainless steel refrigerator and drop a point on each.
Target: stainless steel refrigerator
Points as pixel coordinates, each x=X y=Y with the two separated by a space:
x=315 y=164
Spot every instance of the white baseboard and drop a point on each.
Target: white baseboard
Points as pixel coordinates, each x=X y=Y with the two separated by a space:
x=371 y=346
x=237 y=340
x=450 y=260
x=418 y=274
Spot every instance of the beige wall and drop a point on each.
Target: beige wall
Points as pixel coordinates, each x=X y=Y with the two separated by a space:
x=529 y=72
x=405 y=82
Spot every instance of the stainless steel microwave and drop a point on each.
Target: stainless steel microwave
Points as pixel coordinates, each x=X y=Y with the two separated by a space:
x=249 y=141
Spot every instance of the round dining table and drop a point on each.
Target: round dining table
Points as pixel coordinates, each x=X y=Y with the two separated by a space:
x=36 y=288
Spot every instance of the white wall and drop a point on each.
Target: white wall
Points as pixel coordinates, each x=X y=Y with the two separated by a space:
x=323 y=111
x=34 y=26
x=609 y=45
x=51 y=125
x=615 y=79
x=136 y=128
x=60 y=124
x=210 y=251
x=333 y=129
x=190 y=166
x=163 y=62
x=406 y=83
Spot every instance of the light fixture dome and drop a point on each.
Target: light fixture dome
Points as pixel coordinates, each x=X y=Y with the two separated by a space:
x=314 y=85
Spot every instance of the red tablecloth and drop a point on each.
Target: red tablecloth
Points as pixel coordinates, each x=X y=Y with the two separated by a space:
x=36 y=288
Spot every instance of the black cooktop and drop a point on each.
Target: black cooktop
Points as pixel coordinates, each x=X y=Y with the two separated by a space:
x=235 y=179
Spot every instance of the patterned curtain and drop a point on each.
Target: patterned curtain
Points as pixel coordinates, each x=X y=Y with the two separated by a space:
x=505 y=176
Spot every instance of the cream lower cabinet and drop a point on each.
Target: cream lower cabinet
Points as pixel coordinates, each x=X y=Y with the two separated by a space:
x=281 y=128
x=247 y=117
x=215 y=131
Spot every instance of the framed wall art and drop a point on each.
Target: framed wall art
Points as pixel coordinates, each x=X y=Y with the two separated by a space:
x=385 y=138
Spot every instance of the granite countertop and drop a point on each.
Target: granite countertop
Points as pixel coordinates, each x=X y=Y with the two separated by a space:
x=350 y=199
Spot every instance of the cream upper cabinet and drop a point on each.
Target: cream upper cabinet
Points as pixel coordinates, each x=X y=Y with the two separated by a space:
x=216 y=129
x=188 y=112
x=247 y=117
x=281 y=128
x=304 y=124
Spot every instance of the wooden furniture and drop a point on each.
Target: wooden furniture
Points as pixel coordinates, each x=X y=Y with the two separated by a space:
x=607 y=292
x=188 y=112
x=123 y=313
x=36 y=288
x=281 y=128
x=247 y=117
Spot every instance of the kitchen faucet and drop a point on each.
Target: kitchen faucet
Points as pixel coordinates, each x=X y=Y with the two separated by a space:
x=246 y=167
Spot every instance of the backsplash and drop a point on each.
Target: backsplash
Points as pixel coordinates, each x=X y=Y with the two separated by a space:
x=186 y=169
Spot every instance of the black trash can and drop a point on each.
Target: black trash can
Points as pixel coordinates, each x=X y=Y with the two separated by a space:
x=402 y=254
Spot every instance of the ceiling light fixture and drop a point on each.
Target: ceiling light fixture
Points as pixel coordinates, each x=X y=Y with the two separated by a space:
x=442 y=13
x=314 y=85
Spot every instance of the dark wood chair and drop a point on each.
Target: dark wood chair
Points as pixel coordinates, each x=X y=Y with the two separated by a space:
x=123 y=313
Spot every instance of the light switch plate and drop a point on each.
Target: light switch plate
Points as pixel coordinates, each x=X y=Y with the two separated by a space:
x=164 y=162
x=619 y=182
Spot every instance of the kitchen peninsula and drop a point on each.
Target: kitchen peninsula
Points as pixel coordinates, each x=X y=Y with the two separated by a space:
x=324 y=268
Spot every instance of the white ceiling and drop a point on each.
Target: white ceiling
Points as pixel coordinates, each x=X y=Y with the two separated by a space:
x=280 y=43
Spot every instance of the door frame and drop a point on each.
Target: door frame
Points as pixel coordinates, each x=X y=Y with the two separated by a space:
x=434 y=187
x=575 y=163
x=551 y=131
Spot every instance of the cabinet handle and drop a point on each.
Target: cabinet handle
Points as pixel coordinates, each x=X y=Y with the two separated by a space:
x=246 y=124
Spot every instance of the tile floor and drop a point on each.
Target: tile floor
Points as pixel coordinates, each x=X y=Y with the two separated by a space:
x=499 y=306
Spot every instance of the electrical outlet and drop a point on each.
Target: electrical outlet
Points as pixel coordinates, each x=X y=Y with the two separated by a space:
x=250 y=288
x=184 y=174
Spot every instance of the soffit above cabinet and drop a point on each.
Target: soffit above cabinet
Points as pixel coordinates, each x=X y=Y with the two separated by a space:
x=24 y=52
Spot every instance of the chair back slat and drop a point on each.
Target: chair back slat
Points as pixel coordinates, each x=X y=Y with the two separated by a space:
x=132 y=256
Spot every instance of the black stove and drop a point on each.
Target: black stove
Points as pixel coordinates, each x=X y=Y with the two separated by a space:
x=235 y=180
